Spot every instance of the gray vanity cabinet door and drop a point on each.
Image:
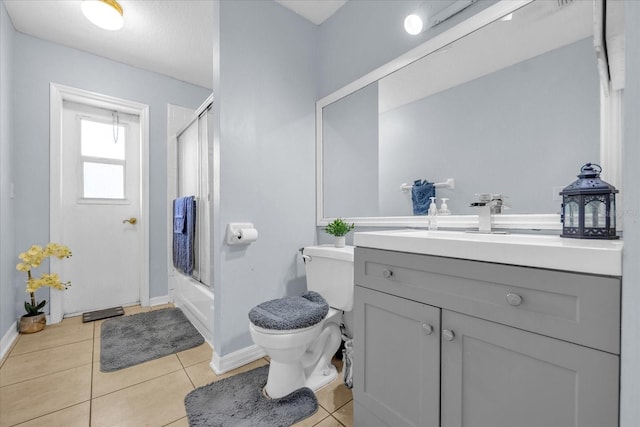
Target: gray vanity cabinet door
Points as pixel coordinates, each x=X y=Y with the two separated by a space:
x=498 y=376
x=397 y=361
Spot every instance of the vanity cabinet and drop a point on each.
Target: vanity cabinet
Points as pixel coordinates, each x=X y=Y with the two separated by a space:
x=400 y=341
x=450 y=342
x=495 y=375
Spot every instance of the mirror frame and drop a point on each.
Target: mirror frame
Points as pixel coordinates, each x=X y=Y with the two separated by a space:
x=610 y=121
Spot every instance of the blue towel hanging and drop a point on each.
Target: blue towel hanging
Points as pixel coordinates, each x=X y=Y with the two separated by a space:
x=421 y=192
x=184 y=230
x=179 y=215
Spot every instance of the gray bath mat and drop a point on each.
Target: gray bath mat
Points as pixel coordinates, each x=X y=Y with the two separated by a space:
x=135 y=339
x=238 y=402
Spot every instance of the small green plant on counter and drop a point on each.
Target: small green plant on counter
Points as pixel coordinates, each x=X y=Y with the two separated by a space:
x=339 y=228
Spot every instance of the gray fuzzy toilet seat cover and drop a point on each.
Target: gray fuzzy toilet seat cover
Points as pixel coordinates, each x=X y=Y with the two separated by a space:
x=295 y=312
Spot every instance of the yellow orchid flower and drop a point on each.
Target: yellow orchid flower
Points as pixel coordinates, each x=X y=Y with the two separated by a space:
x=32 y=258
x=23 y=267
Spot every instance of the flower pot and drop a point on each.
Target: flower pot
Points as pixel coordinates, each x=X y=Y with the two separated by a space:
x=340 y=241
x=31 y=324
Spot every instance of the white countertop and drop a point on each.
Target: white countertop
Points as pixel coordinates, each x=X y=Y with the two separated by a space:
x=553 y=252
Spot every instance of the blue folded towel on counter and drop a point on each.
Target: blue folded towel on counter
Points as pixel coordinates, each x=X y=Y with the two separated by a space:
x=184 y=230
x=421 y=192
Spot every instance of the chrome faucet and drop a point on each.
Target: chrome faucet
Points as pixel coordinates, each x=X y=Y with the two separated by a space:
x=488 y=205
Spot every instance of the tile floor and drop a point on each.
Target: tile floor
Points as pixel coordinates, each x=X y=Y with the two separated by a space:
x=53 y=378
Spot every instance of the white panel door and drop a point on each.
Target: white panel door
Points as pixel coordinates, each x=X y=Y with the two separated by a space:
x=101 y=201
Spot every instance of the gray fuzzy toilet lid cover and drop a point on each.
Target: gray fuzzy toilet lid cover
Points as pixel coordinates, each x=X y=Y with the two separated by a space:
x=293 y=312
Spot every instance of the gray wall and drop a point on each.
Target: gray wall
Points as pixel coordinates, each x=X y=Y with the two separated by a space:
x=630 y=359
x=39 y=62
x=7 y=254
x=266 y=89
x=350 y=158
x=536 y=122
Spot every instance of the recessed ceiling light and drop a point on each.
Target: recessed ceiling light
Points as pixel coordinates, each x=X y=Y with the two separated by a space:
x=106 y=14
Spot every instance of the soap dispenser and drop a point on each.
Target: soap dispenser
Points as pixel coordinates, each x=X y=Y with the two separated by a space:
x=444 y=209
x=433 y=212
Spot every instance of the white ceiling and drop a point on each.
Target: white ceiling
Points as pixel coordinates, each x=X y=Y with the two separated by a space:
x=316 y=11
x=170 y=37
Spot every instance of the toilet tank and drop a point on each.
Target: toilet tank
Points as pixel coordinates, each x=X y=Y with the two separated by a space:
x=330 y=273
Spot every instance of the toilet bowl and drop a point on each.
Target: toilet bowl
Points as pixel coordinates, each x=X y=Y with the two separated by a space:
x=294 y=363
x=301 y=334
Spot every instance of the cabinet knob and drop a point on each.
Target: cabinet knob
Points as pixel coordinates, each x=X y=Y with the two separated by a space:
x=386 y=273
x=514 y=299
x=448 y=335
x=427 y=329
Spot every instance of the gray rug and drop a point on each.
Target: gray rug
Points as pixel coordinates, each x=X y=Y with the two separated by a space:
x=130 y=340
x=238 y=402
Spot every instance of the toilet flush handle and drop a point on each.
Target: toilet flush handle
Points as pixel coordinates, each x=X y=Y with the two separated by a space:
x=305 y=258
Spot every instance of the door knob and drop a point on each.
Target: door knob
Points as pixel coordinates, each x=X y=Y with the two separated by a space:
x=427 y=329
x=131 y=221
x=386 y=273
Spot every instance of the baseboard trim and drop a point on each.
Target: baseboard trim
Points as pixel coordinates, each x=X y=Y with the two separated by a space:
x=159 y=300
x=7 y=341
x=221 y=365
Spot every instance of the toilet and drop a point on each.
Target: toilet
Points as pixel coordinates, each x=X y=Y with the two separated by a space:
x=301 y=334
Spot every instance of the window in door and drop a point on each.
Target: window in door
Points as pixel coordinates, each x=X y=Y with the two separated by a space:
x=103 y=159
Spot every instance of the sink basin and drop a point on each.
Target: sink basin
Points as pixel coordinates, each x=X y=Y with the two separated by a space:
x=543 y=251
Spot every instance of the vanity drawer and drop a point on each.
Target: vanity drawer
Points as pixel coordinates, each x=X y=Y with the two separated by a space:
x=580 y=308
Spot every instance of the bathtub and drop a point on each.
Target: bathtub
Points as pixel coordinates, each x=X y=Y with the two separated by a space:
x=196 y=301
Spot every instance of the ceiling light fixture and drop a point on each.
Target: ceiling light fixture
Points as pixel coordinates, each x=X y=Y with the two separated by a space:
x=424 y=17
x=106 y=14
x=413 y=24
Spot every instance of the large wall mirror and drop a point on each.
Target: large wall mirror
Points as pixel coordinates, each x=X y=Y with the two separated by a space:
x=506 y=102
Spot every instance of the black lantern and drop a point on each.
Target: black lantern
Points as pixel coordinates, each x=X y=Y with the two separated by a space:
x=589 y=206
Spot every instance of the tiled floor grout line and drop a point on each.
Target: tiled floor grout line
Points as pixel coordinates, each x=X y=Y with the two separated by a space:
x=184 y=369
x=137 y=384
x=49 y=413
x=45 y=375
x=45 y=348
x=9 y=351
x=187 y=374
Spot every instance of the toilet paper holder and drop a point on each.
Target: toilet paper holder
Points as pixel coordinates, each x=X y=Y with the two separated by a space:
x=241 y=233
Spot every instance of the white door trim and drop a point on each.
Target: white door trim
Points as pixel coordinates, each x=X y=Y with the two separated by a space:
x=58 y=94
